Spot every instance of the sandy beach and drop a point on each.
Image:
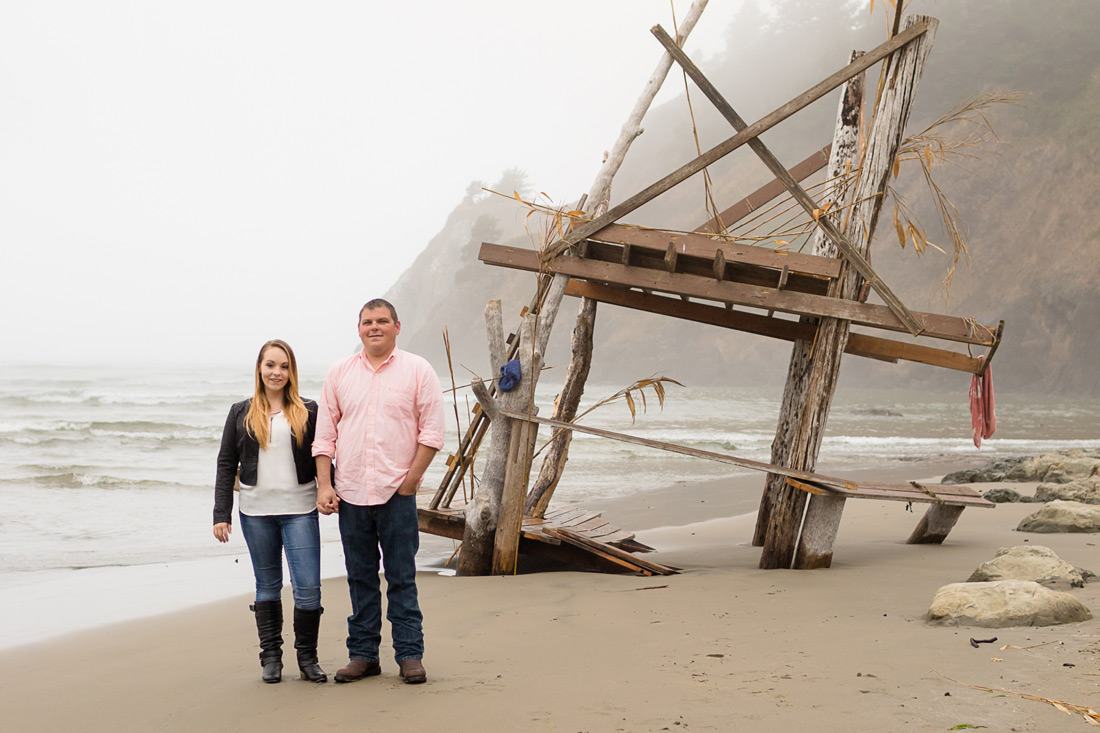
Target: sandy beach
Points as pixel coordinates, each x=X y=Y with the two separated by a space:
x=722 y=646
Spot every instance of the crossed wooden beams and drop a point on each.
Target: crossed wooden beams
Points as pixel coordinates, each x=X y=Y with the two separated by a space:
x=627 y=266
x=749 y=134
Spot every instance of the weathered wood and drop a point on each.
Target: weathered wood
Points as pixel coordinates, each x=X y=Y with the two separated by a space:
x=858 y=344
x=851 y=253
x=950 y=328
x=704 y=246
x=510 y=518
x=726 y=147
x=812 y=376
x=595 y=203
x=685 y=450
x=911 y=492
x=935 y=525
x=482 y=513
x=670 y=257
x=815 y=546
x=803 y=170
x=795 y=444
x=557 y=453
x=992 y=349
x=689 y=264
x=642 y=564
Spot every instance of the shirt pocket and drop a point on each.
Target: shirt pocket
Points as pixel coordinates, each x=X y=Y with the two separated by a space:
x=399 y=403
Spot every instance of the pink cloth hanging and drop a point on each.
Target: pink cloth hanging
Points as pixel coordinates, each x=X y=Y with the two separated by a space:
x=983 y=416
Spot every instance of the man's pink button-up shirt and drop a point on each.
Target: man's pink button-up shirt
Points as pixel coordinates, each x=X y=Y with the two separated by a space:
x=370 y=422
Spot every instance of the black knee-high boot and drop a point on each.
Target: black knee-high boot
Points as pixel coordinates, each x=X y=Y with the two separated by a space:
x=306 y=626
x=269 y=625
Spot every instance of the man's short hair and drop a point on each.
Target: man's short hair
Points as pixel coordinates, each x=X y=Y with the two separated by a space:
x=377 y=303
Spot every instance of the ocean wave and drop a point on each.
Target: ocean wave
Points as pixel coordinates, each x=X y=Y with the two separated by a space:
x=75 y=479
x=37 y=432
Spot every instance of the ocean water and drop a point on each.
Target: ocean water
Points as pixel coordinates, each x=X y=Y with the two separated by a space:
x=104 y=468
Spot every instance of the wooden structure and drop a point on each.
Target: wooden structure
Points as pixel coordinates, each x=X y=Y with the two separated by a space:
x=808 y=299
x=566 y=534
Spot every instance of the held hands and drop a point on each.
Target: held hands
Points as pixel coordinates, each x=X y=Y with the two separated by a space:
x=222 y=530
x=327 y=500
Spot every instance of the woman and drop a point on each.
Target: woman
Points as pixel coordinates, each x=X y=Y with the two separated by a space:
x=268 y=439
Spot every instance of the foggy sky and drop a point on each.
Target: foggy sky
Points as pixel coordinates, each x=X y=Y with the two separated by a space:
x=181 y=181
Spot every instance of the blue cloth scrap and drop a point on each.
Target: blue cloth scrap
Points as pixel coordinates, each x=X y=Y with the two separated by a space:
x=509 y=376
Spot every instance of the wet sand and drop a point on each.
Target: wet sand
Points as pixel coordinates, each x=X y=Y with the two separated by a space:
x=722 y=646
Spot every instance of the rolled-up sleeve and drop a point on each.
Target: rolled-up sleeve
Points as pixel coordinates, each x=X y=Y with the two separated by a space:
x=328 y=416
x=429 y=398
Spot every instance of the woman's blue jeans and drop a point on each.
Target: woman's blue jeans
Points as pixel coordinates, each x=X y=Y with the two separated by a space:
x=299 y=536
x=392 y=528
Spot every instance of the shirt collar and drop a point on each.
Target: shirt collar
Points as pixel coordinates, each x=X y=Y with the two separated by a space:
x=366 y=362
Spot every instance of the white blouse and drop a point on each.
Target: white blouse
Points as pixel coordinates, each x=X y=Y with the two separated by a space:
x=277 y=490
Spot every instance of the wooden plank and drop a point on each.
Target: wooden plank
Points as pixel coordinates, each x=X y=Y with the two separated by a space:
x=891 y=492
x=949 y=328
x=803 y=170
x=626 y=556
x=701 y=245
x=589 y=526
x=754 y=130
x=577 y=519
x=683 y=449
x=819 y=530
x=871 y=347
x=935 y=525
x=703 y=266
x=569 y=514
x=434 y=524
x=627 y=563
x=850 y=251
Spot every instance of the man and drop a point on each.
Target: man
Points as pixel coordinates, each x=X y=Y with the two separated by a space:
x=380 y=419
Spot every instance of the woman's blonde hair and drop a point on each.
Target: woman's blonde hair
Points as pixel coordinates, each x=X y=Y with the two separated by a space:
x=258 y=420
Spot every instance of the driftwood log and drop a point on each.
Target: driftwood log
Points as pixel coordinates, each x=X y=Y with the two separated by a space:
x=483 y=512
x=814 y=367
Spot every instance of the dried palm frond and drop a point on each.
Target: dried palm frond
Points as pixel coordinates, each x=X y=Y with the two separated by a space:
x=1091 y=716
x=656 y=383
x=933 y=147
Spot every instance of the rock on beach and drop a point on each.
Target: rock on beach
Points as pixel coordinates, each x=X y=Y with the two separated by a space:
x=1086 y=491
x=1031 y=562
x=1062 y=516
x=1003 y=603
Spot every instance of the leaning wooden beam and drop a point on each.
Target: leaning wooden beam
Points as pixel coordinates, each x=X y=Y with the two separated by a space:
x=596 y=203
x=871 y=347
x=803 y=170
x=851 y=253
x=813 y=375
x=723 y=149
x=682 y=449
x=796 y=441
x=935 y=525
x=949 y=328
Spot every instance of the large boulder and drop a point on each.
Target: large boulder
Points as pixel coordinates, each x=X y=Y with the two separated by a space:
x=1062 y=516
x=1003 y=603
x=1084 y=490
x=1031 y=562
x=1056 y=468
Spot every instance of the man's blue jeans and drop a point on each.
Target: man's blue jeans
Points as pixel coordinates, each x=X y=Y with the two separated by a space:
x=392 y=528
x=300 y=537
